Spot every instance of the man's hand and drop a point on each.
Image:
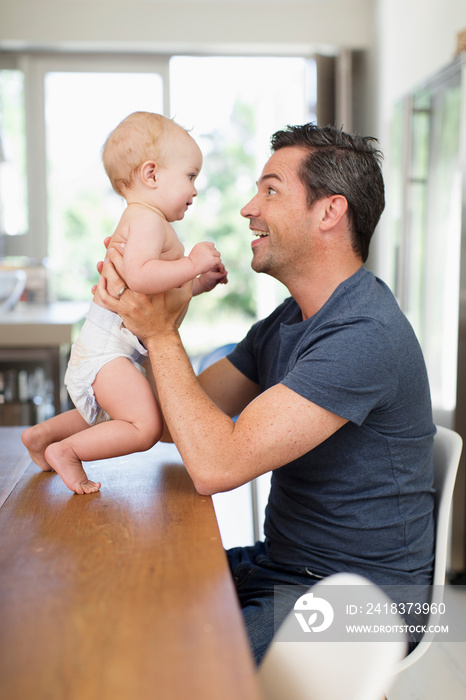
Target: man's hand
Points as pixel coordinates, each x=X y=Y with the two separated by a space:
x=100 y=263
x=144 y=315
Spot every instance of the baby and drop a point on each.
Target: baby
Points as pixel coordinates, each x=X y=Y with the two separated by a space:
x=153 y=163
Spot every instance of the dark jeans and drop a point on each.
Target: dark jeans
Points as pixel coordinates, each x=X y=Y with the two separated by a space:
x=255 y=577
x=264 y=608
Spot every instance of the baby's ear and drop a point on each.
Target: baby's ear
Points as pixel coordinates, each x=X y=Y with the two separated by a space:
x=148 y=173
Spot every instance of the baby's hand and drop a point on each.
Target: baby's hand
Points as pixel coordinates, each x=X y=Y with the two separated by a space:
x=205 y=257
x=209 y=280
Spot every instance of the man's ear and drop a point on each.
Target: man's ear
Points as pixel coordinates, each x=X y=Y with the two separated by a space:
x=148 y=173
x=334 y=210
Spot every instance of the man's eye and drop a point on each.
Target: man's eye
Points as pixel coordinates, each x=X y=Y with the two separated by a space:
x=271 y=190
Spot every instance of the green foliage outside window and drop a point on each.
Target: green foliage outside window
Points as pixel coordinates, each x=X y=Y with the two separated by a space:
x=227 y=177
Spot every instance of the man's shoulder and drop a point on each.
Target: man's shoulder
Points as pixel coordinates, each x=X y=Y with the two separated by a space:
x=369 y=297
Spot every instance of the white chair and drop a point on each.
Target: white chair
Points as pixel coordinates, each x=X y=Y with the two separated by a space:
x=448 y=446
x=332 y=669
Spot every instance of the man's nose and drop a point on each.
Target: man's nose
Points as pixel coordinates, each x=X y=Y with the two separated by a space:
x=251 y=209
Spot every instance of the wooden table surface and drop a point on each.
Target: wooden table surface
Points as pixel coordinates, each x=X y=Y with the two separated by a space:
x=120 y=595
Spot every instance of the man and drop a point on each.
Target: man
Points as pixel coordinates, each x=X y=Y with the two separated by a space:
x=331 y=389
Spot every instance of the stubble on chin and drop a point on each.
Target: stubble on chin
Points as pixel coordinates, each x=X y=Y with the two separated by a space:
x=258 y=265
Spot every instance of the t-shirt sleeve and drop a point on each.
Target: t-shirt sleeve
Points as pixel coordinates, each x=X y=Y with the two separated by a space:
x=347 y=369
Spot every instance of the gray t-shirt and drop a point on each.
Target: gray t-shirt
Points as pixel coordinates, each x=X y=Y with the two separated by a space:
x=363 y=499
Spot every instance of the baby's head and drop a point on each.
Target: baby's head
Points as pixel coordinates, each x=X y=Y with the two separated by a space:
x=140 y=137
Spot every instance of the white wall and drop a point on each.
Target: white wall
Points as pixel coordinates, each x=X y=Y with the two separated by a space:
x=167 y=25
x=415 y=38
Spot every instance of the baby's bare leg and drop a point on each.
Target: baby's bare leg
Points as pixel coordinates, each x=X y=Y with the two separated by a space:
x=63 y=459
x=136 y=425
x=38 y=437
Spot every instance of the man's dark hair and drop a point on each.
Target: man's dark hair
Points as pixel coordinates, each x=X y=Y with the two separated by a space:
x=340 y=163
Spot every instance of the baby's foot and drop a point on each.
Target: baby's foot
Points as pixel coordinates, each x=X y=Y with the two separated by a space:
x=36 y=441
x=62 y=458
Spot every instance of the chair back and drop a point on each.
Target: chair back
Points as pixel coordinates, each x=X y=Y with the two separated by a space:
x=331 y=669
x=448 y=446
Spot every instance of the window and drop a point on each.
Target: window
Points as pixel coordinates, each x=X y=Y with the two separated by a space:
x=428 y=227
x=72 y=104
x=81 y=109
x=13 y=176
x=231 y=105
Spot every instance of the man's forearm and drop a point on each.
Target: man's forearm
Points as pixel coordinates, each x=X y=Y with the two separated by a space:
x=166 y=437
x=198 y=427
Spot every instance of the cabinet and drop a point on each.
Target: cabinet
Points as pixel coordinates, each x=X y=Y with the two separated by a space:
x=35 y=342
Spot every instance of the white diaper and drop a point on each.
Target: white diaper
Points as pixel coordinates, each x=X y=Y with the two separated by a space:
x=101 y=340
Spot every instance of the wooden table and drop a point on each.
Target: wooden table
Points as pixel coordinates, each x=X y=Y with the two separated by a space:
x=120 y=595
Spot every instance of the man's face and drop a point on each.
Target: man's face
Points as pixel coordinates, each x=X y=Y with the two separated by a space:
x=279 y=215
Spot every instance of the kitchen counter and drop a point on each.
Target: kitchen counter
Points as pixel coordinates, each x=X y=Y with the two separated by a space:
x=37 y=335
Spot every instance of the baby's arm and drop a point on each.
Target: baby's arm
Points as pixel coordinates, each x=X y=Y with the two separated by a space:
x=144 y=269
x=210 y=279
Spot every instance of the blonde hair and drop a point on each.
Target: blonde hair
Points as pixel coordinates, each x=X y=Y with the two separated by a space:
x=139 y=137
